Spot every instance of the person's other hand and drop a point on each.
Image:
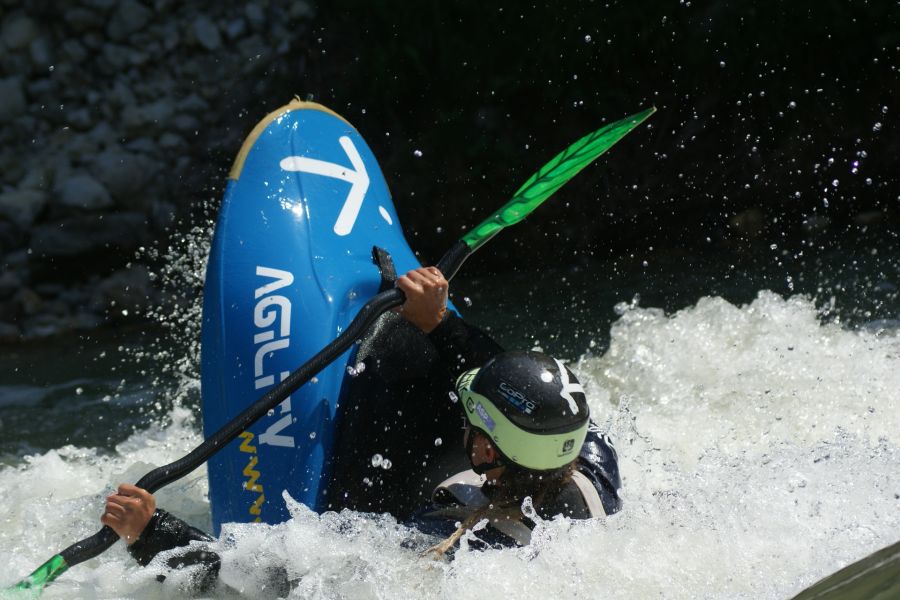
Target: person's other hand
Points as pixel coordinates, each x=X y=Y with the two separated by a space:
x=426 y=297
x=128 y=511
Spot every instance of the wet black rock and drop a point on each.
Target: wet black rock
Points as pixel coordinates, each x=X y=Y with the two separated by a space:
x=115 y=116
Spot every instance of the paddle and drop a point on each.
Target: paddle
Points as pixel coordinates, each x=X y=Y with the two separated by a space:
x=535 y=191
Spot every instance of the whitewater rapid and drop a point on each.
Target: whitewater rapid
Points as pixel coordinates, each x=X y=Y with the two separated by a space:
x=758 y=447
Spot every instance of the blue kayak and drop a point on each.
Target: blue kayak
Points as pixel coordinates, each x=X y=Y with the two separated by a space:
x=291 y=263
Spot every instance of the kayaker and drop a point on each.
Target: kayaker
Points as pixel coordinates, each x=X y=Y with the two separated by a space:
x=526 y=422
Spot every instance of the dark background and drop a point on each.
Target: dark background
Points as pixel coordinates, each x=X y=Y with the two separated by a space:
x=762 y=106
x=774 y=142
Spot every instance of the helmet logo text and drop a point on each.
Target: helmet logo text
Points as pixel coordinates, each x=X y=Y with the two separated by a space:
x=516 y=398
x=485 y=417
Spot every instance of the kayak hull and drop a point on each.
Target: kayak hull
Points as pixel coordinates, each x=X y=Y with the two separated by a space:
x=289 y=267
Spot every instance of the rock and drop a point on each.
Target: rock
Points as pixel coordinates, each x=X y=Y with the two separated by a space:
x=9 y=333
x=28 y=301
x=125 y=290
x=301 y=10
x=17 y=31
x=171 y=141
x=9 y=284
x=44 y=326
x=22 y=206
x=16 y=261
x=235 y=28
x=85 y=320
x=80 y=119
x=143 y=145
x=41 y=51
x=128 y=17
x=83 y=234
x=43 y=89
x=113 y=60
x=81 y=19
x=125 y=174
x=186 y=124
x=254 y=15
x=153 y=116
x=171 y=39
x=57 y=308
x=12 y=99
x=38 y=177
x=193 y=104
x=74 y=51
x=84 y=192
x=93 y=40
x=207 y=33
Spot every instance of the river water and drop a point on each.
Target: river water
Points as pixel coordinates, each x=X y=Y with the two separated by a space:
x=754 y=407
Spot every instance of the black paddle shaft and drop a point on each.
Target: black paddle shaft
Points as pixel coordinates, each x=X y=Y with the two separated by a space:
x=98 y=543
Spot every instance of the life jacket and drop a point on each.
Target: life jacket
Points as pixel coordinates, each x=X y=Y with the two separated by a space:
x=465 y=489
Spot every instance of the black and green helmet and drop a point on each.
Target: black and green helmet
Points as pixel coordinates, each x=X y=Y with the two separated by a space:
x=530 y=405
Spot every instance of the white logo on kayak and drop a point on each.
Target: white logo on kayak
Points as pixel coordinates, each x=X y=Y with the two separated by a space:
x=567 y=387
x=356 y=176
x=272 y=318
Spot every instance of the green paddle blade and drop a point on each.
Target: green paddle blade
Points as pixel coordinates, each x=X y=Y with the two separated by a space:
x=552 y=176
x=43 y=575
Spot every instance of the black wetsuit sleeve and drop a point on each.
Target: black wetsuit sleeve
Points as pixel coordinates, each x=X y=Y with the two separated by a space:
x=165 y=532
x=462 y=346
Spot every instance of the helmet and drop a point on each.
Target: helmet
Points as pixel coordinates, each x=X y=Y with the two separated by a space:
x=530 y=405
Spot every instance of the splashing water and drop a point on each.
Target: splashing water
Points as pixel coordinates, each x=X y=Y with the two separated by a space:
x=758 y=451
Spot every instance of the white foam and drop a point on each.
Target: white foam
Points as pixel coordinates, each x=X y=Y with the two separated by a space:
x=758 y=449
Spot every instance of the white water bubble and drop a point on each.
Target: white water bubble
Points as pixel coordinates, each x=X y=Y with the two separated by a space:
x=312 y=435
x=467 y=301
x=417 y=153
x=453 y=397
x=377 y=459
x=386 y=464
x=792 y=104
x=360 y=367
x=876 y=127
x=351 y=371
x=835 y=183
x=438 y=441
x=587 y=39
x=722 y=64
x=79 y=391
